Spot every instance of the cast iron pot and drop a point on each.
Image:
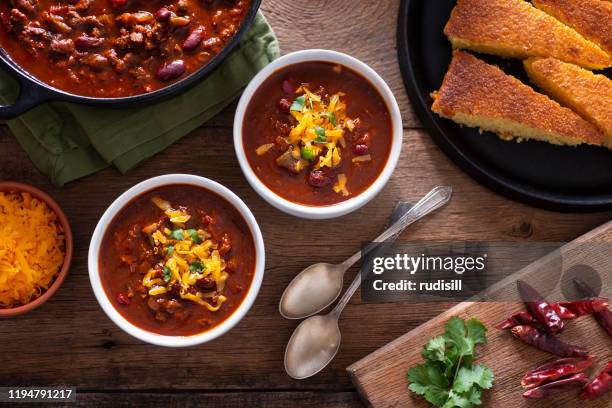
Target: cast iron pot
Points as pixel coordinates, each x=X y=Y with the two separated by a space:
x=33 y=92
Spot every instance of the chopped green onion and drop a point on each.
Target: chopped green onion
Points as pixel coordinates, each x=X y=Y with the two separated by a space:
x=195 y=237
x=167 y=274
x=307 y=153
x=177 y=234
x=170 y=250
x=298 y=103
x=320 y=132
x=332 y=118
x=196 y=267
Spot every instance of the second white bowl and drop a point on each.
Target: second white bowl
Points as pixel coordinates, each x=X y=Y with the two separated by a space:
x=352 y=204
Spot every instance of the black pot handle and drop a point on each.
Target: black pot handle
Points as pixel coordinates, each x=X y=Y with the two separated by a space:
x=30 y=96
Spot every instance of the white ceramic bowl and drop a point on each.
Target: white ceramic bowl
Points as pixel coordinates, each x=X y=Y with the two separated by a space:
x=352 y=204
x=154 y=338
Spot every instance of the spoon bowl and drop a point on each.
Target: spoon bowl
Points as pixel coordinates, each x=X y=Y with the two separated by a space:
x=313 y=344
x=312 y=290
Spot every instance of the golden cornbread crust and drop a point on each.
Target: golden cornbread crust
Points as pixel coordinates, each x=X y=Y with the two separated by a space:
x=477 y=94
x=516 y=29
x=591 y=18
x=586 y=93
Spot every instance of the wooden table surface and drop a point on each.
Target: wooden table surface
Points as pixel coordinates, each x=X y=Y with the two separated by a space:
x=70 y=341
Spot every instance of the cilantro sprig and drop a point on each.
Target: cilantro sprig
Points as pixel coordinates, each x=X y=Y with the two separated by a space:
x=449 y=378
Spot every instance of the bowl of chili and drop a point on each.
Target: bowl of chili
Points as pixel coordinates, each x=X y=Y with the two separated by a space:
x=115 y=52
x=176 y=260
x=318 y=133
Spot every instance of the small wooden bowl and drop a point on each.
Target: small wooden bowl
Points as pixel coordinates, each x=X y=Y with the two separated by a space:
x=9 y=186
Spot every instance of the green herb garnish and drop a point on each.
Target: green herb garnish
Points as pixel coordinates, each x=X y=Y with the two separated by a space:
x=448 y=378
x=167 y=274
x=196 y=267
x=170 y=250
x=177 y=234
x=332 y=118
x=307 y=153
x=320 y=132
x=298 y=103
x=193 y=234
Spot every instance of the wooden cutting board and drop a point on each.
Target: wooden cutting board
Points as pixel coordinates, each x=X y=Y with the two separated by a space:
x=381 y=376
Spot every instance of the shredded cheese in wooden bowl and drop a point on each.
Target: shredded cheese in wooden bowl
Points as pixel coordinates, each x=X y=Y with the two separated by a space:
x=32 y=248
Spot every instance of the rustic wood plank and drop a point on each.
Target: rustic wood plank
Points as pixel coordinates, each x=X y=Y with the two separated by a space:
x=71 y=341
x=381 y=376
x=260 y=399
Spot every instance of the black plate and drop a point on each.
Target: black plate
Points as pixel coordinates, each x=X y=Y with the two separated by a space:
x=537 y=173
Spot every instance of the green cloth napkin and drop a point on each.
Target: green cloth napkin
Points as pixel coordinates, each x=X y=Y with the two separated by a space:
x=68 y=141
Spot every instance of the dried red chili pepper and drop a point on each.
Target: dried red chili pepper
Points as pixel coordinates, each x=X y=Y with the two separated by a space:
x=554 y=370
x=547 y=342
x=604 y=317
x=563 y=312
x=517 y=319
x=525 y=317
x=556 y=387
x=600 y=385
x=585 y=306
x=539 y=308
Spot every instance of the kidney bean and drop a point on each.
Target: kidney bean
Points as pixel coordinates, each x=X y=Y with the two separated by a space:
x=284 y=105
x=194 y=38
x=86 y=42
x=603 y=317
x=361 y=149
x=123 y=299
x=288 y=86
x=554 y=370
x=319 y=179
x=162 y=15
x=600 y=385
x=540 y=309
x=556 y=387
x=547 y=342
x=171 y=70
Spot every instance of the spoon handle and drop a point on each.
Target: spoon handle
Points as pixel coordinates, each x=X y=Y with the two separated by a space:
x=435 y=199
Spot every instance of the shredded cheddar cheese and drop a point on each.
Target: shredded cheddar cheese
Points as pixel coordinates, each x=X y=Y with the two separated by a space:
x=32 y=246
x=340 y=186
x=317 y=137
x=189 y=255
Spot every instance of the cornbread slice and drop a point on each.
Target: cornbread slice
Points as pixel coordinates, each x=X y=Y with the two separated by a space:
x=586 y=93
x=516 y=29
x=591 y=18
x=477 y=94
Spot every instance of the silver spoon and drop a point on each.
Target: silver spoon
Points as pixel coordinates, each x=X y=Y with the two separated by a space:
x=325 y=280
x=315 y=342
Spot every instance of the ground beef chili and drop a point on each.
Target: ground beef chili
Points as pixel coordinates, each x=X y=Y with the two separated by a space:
x=177 y=260
x=116 y=48
x=317 y=133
